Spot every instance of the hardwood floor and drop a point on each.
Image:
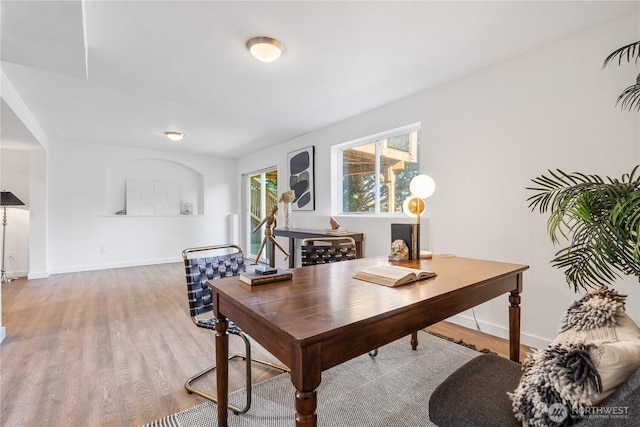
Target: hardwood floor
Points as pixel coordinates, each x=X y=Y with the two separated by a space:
x=479 y=339
x=114 y=347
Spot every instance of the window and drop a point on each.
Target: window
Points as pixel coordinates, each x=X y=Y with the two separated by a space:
x=374 y=172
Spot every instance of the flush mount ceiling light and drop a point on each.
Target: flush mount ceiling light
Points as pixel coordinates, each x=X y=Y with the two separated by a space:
x=265 y=49
x=174 y=136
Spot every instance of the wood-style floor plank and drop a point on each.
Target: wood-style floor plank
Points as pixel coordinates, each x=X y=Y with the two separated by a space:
x=114 y=347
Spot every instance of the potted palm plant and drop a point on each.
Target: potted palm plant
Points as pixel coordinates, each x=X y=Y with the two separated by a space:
x=600 y=219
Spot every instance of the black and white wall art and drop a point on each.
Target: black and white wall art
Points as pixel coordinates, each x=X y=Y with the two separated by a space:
x=301 y=178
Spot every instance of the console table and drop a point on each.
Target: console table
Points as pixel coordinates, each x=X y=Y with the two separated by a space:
x=299 y=233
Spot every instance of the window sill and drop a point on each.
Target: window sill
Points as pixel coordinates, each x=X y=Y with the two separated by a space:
x=372 y=215
x=149 y=216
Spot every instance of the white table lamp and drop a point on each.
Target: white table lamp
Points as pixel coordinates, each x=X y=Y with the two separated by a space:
x=421 y=187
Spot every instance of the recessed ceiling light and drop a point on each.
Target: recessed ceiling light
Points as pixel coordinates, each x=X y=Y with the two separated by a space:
x=174 y=136
x=265 y=49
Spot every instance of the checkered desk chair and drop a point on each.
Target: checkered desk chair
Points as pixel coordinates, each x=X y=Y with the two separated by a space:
x=201 y=264
x=323 y=250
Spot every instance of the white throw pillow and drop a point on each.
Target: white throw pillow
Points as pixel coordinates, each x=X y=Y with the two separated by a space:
x=617 y=354
x=598 y=347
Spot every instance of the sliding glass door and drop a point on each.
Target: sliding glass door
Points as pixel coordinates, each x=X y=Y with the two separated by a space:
x=262 y=188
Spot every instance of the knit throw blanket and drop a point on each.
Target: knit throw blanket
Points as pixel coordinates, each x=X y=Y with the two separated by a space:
x=595 y=309
x=565 y=373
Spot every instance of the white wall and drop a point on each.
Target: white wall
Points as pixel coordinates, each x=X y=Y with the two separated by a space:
x=484 y=137
x=83 y=237
x=551 y=109
x=38 y=219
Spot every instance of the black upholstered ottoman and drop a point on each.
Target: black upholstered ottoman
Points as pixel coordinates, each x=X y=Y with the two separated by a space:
x=476 y=394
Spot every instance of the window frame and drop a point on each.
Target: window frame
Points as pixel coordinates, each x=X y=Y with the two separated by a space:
x=337 y=202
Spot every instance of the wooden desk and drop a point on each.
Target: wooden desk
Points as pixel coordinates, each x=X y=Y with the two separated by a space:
x=324 y=317
x=299 y=233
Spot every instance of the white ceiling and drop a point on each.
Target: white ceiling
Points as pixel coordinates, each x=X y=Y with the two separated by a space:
x=130 y=70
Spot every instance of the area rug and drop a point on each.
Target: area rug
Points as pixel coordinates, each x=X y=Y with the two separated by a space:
x=390 y=390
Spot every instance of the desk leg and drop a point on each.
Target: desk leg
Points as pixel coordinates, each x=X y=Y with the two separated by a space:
x=305 y=375
x=306 y=403
x=292 y=252
x=514 y=326
x=272 y=254
x=222 y=369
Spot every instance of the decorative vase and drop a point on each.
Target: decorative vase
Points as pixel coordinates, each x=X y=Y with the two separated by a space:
x=286 y=211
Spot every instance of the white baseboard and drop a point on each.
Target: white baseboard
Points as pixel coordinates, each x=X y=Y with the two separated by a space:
x=38 y=275
x=139 y=263
x=17 y=274
x=3 y=333
x=498 y=331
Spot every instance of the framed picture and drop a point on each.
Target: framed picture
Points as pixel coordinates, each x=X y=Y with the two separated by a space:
x=302 y=179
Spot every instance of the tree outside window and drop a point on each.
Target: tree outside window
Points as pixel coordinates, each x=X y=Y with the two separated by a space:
x=376 y=172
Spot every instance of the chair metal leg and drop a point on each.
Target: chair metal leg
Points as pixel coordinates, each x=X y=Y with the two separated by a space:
x=247 y=356
x=191 y=389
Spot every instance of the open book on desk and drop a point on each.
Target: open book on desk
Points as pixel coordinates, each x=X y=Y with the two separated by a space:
x=392 y=275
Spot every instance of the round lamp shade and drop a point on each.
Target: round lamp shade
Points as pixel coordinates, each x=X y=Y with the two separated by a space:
x=174 y=136
x=422 y=186
x=265 y=49
x=413 y=206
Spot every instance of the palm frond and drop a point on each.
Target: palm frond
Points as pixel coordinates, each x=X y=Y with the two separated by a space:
x=587 y=260
x=629 y=51
x=599 y=218
x=630 y=177
x=630 y=98
x=582 y=270
x=626 y=213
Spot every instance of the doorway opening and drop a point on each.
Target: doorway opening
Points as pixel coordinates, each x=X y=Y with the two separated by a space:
x=263 y=195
